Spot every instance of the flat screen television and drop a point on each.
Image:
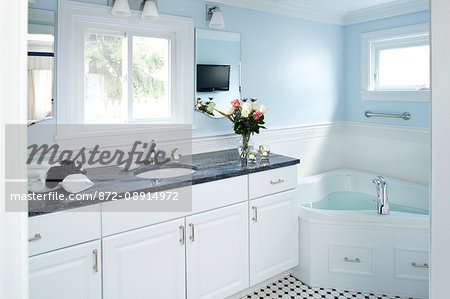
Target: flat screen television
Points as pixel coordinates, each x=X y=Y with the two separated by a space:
x=213 y=77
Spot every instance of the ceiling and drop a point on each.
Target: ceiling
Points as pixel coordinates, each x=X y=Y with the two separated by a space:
x=342 y=12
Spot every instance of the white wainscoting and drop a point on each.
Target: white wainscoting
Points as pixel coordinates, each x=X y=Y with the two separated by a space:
x=394 y=151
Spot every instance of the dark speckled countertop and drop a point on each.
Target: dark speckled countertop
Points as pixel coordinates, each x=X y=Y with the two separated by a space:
x=209 y=167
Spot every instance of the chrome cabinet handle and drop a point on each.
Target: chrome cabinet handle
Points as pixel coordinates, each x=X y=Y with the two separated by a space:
x=255 y=218
x=277 y=182
x=37 y=236
x=181 y=227
x=192 y=236
x=349 y=260
x=425 y=265
x=95 y=267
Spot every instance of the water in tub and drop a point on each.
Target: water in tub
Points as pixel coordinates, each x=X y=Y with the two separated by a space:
x=351 y=200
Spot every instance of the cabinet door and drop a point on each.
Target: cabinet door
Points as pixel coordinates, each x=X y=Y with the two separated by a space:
x=217 y=252
x=145 y=263
x=70 y=273
x=273 y=235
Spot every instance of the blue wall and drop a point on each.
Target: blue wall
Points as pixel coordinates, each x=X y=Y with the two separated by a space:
x=293 y=66
x=355 y=106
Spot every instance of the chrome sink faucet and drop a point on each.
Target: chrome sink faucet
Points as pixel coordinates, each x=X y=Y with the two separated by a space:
x=382 y=198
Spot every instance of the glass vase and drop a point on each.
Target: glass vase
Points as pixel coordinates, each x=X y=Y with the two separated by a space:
x=245 y=147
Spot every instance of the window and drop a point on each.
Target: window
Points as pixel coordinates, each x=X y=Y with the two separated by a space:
x=396 y=64
x=127 y=87
x=123 y=70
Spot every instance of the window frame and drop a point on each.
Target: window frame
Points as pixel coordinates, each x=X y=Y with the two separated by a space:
x=371 y=44
x=127 y=76
x=75 y=17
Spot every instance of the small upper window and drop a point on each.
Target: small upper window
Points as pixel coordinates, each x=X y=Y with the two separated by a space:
x=396 y=64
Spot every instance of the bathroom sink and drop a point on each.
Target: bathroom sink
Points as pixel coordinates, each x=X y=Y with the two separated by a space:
x=164 y=173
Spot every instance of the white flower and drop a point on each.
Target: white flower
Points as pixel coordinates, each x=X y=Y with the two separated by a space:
x=263 y=109
x=230 y=110
x=210 y=107
x=247 y=106
x=255 y=106
x=245 y=112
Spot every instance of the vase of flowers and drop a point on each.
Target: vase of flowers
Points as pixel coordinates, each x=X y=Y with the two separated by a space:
x=244 y=147
x=247 y=118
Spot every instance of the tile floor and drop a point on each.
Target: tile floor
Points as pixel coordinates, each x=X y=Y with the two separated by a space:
x=291 y=287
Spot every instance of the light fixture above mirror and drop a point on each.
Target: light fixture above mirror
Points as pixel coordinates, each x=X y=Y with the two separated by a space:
x=214 y=16
x=150 y=10
x=121 y=8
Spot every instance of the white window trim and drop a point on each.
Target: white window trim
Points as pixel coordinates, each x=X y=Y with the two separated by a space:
x=73 y=18
x=368 y=91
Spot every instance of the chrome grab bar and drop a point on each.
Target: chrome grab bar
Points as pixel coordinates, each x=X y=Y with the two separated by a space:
x=404 y=115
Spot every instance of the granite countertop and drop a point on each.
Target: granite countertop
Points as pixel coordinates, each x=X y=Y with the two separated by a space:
x=209 y=167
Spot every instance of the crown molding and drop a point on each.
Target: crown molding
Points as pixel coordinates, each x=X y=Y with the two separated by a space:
x=297 y=10
x=288 y=8
x=388 y=10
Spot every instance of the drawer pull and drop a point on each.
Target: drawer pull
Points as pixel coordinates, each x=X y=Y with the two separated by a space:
x=181 y=227
x=424 y=265
x=192 y=236
x=255 y=218
x=95 y=267
x=349 y=260
x=277 y=182
x=36 y=237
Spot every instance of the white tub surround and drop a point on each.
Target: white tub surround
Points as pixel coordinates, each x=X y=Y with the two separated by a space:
x=357 y=249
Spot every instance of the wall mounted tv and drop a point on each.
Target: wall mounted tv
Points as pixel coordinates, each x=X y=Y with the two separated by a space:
x=213 y=77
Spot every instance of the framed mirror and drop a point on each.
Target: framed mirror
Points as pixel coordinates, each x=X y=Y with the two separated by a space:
x=41 y=65
x=218 y=67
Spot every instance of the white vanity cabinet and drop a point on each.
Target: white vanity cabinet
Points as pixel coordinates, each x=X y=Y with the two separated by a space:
x=241 y=230
x=145 y=263
x=217 y=252
x=70 y=273
x=273 y=235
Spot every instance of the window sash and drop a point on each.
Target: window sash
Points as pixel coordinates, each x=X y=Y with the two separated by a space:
x=378 y=46
x=127 y=72
x=171 y=84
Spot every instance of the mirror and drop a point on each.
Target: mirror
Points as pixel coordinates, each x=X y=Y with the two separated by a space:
x=41 y=65
x=218 y=54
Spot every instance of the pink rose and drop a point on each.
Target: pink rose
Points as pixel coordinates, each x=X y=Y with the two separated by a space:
x=235 y=103
x=256 y=115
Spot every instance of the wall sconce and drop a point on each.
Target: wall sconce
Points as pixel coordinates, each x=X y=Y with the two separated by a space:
x=150 y=10
x=121 y=8
x=214 y=16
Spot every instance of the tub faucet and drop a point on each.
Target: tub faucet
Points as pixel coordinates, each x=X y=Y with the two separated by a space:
x=382 y=198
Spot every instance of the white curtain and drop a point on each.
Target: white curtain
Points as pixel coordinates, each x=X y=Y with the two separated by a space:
x=40 y=87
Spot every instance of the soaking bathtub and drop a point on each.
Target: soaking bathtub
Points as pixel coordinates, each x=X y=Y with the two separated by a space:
x=345 y=244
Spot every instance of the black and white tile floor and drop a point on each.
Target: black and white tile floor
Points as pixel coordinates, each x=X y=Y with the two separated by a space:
x=291 y=287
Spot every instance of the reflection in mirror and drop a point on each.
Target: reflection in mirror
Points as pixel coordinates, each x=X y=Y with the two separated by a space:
x=218 y=57
x=41 y=64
